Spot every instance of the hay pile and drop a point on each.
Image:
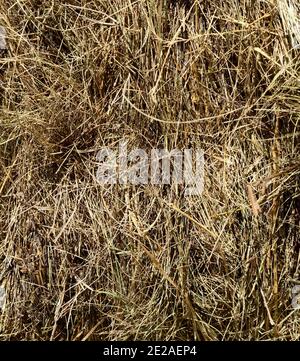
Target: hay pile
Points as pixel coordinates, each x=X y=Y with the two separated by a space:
x=83 y=261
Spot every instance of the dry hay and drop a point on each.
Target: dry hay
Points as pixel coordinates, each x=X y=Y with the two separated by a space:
x=80 y=261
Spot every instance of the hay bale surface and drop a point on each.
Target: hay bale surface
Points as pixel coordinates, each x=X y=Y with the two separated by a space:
x=83 y=261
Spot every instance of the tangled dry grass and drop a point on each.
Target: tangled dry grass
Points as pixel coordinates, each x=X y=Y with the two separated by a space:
x=80 y=261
